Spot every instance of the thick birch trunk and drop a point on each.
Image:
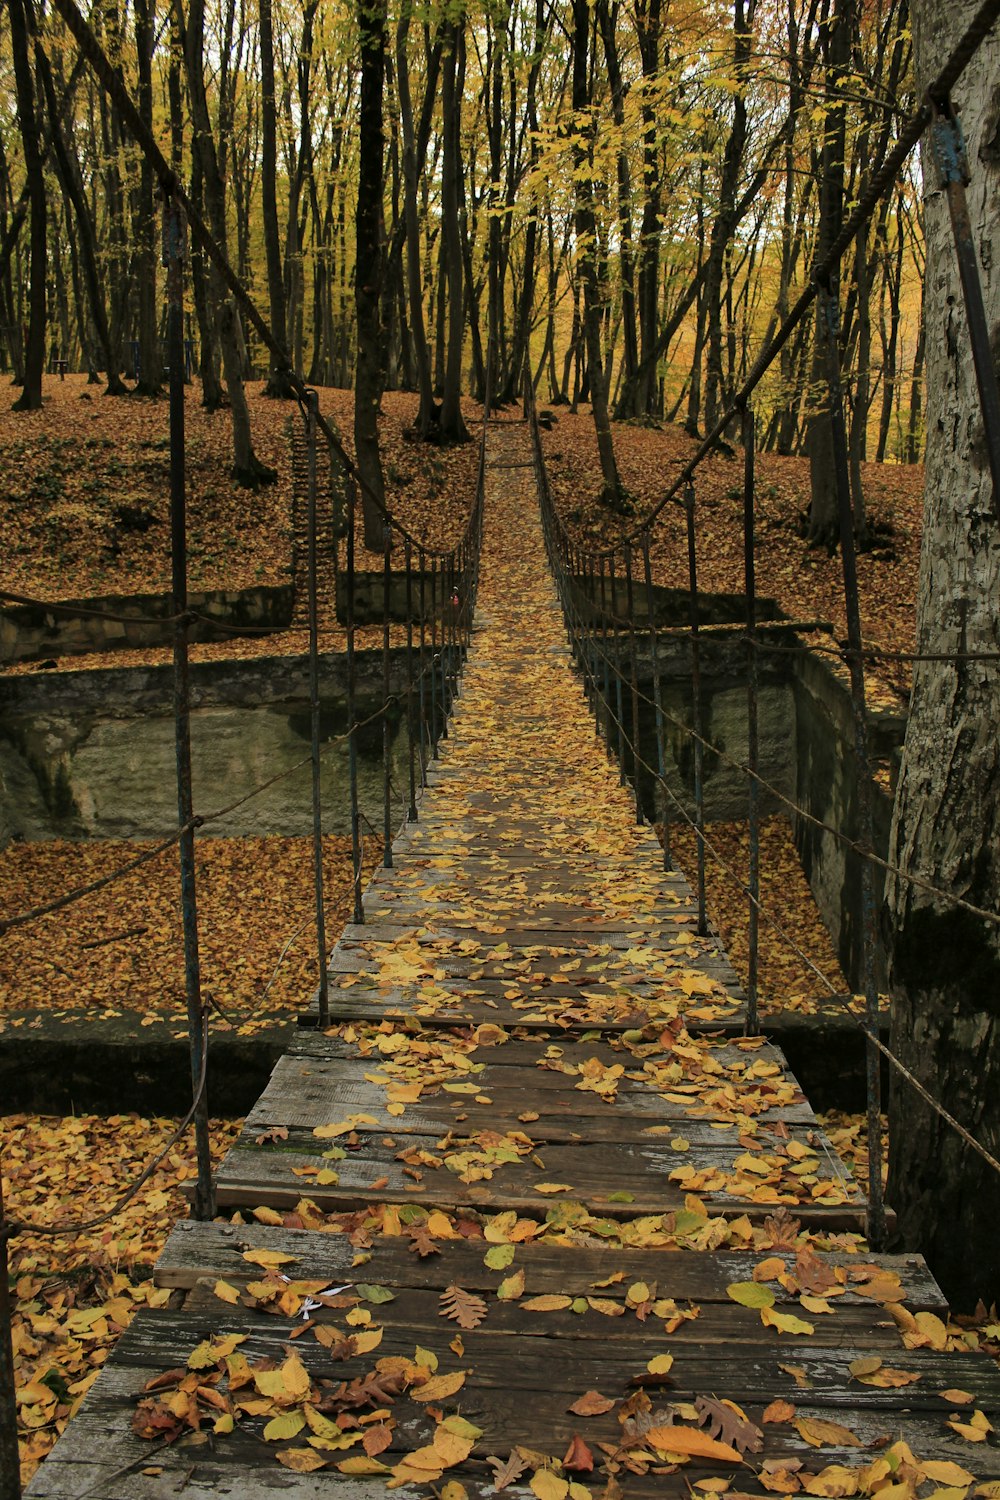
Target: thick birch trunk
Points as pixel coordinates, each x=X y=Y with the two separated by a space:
x=945 y=963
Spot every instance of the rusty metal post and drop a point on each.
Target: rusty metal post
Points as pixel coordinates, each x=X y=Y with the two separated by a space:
x=174 y=251
x=451 y=617
x=605 y=664
x=753 y=725
x=411 y=811
x=386 y=678
x=696 y=714
x=590 y=679
x=634 y=680
x=422 y=677
x=619 y=690
x=434 y=661
x=352 y=732
x=323 y=993
x=950 y=157
x=829 y=309
x=10 y=1463
x=661 y=759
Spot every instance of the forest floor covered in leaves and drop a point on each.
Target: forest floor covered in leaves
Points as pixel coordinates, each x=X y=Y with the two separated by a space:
x=75 y=1294
x=121 y=947
x=72 y=1303
x=805 y=581
x=85 y=504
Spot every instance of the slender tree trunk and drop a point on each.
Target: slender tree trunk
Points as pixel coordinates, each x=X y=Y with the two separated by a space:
x=369 y=263
x=277 y=381
x=247 y=467
x=824 y=525
x=945 y=962
x=452 y=423
x=150 y=357
x=30 y=398
x=612 y=494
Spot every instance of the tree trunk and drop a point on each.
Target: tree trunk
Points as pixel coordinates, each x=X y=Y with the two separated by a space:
x=150 y=357
x=724 y=221
x=452 y=423
x=247 y=467
x=30 y=398
x=86 y=242
x=612 y=493
x=277 y=381
x=369 y=262
x=824 y=525
x=945 y=962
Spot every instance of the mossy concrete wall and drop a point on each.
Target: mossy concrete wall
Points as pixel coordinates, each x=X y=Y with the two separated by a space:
x=32 y=632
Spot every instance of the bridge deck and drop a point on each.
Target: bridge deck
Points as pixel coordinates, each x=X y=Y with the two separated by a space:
x=533 y=1160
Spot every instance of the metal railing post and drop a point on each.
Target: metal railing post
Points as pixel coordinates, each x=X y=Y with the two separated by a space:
x=386 y=734
x=830 y=313
x=422 y=678
x=661 y=760
x=753 y=727
x=605 y=665
x=434 y=661
x=203 y=1204
x=352 y=731
x=323 y=995
x=411 y=748
x=10 y=1461
x=696 y=713
x=619 y=690
x=634 y=672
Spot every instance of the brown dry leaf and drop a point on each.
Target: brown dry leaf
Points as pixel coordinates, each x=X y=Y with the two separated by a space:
x=578 y=1456
x=507 y=1470
x=591 y=1404
x=778 y=1412
x=725 y=1420
x=377 y=1439
x=465 y=1308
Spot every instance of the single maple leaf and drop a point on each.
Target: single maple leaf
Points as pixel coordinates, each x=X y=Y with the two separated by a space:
x=465 y=1308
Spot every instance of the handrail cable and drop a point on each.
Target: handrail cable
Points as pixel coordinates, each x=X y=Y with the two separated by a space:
x=11 y=1226
x=848 y=843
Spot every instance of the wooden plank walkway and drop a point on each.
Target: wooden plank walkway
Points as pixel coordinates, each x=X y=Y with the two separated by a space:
x=535 y=1159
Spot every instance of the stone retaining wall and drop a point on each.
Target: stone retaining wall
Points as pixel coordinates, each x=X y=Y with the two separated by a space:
x=31 y=632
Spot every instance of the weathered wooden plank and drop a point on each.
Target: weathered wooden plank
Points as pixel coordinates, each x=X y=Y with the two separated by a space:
x=629 y=1179
x=196 y=1250
x=550 y=1367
